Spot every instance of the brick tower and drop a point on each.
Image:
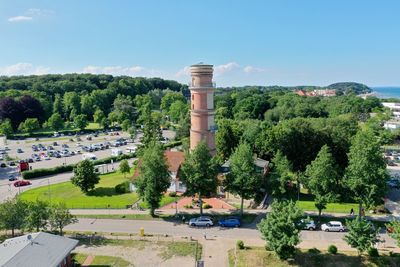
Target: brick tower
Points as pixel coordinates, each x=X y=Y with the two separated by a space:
x=202 y=106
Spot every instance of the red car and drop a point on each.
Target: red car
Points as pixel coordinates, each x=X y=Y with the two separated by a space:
x=22 y=183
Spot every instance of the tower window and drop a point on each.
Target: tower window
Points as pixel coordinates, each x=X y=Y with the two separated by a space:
x=192 y=106
x=192 y=97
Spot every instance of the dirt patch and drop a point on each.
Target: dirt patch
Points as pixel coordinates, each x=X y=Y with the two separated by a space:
x=146 y=256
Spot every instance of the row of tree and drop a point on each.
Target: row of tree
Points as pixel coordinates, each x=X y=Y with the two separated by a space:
x=16 y=214
x=281 y=229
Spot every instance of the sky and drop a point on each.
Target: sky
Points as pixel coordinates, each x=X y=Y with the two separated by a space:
x=266 y=42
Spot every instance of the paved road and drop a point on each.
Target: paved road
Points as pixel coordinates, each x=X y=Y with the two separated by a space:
x=251 y=235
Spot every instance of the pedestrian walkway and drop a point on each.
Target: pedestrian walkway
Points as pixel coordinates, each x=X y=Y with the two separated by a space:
x=185 y=202
x=88 y=261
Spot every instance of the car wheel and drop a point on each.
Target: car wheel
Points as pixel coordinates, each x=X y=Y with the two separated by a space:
x=193 y=225
x=207 y=225
x=326 y=230
x=311 y=229
x=341 y=230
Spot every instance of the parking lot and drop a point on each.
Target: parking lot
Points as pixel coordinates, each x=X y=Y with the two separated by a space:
x=75 y=148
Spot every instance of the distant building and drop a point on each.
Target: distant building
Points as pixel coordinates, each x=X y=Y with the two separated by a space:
x=322 y=92
x=262 y=166
x=394 y=107
x=174 y=161
x=37 y=249
x=392 y=125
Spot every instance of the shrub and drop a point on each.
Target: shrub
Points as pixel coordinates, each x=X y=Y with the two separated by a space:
x=240 y=244
x=172 y=194
x=373 y=252
x=188 y=206
x=207 y=206
x=122 y=188
x=314 y=251
x=48 y=171
x=332 y=249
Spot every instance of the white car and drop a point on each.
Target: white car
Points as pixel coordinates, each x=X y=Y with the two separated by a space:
x=45 y=157
x=308 y=225
x=333 y=226
x=201 y=221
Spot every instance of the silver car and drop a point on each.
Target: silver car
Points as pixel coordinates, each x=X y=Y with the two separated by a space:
x=201 y=221
x=333 y=226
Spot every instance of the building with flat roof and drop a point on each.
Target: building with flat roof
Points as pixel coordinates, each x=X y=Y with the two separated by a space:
x=37 y=250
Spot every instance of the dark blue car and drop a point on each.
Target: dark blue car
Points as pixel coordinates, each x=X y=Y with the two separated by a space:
x=229 y=222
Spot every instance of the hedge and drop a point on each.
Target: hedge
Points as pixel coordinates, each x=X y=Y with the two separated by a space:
x=67 y=168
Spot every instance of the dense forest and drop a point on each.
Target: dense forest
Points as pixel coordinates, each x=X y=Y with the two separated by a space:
x=69 y=95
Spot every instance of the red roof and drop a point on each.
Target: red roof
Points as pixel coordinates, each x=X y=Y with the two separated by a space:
x=174 y=161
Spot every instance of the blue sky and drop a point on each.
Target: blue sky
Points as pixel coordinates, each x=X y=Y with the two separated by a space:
x=250 y=42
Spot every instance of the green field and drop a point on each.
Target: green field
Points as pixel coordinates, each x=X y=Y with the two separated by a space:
x=258 y=256
x=101 y=260
x=330 y=208
x=103 y=196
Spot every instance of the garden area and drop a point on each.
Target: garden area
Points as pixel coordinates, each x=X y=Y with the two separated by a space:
x=258 y=256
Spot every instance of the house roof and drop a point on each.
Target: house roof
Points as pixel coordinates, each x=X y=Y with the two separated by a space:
x=37 y=249
x=174 y=161
x=258 y=162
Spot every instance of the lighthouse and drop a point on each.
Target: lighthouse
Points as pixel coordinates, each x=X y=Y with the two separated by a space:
x=202 y=106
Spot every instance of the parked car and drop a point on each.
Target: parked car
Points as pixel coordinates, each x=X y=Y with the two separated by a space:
x=201 y=221
x=45 y=157
x=30 y=160
x=19 y=150
x=12 y=177
x=55 y=144
x=22 y=183
x=65 y=146
x=333 y=226
x=11 y=163
x=393 y=183
x=308 y=224
x=229 y=222
x=3 y=165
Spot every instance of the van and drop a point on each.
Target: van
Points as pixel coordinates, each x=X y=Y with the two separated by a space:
x=130 y=149
x=89 y=156
x=116 y=152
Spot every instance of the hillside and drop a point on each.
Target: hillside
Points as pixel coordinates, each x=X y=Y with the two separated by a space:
x=350 y=87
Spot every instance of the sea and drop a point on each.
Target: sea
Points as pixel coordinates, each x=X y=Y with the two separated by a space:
x=386 y=92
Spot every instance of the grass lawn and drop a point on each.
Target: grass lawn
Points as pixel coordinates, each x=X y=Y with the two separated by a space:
x=258 y=256
x=331 y=207
x=166 y=199
x=101 y=260
x=103 y=196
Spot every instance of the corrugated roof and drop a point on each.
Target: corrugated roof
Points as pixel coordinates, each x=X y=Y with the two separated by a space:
x=41 y=249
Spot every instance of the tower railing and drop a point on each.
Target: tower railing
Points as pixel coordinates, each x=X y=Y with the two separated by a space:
x=193 y=85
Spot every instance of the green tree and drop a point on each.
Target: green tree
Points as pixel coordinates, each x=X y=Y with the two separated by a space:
x=84 y=176
x=29 y=125
x=13 y=214
x=154 y=177
x=366 y=174
x=151 y=130
x=124 y=167
x=55 y=122
x=177 y=110
x=87 y=105
x=38 y=215
x=225 y=139
x=143 y=104
x=280 y=176
x=98 y=116
x=80 y=121
x=362 y=234
x=394 y=225
x=58 y=104
x=183 y=129
x=242 y=178
x=321 y=175
x=6 y=128
x=199 y=173
x=60 y=217
x=170 y=98
x=281 y=228
x=71 y=104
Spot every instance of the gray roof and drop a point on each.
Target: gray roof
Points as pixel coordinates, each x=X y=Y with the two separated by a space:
x=258 y=162
x=35 y=250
